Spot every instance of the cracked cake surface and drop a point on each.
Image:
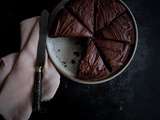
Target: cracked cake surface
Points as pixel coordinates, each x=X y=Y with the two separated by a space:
x=121 y=29
x=83 y=10
x=66 y=25
x=106 y=11
x=115 y=52
x=91 y=65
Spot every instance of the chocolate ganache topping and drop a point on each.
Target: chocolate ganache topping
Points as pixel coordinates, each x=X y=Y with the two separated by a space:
x=109 y=27
x=83 y=10
x=65 y=25
x=121 y=29
x=115 y=52
x=106 y=11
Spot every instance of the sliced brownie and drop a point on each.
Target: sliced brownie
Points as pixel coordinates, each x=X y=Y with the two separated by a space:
x=106 y=11
x=83 y=10
x=111 y=30
x=91 y=65
x=115 y=52
x=66 y=25
x=121 y=29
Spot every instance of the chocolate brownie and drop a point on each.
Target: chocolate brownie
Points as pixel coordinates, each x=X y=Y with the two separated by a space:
x=111 y=32
x=106 y=11
x=121 y=29
x=65 y=25
x=115 y=52
x=83 y=10
x=91 y=65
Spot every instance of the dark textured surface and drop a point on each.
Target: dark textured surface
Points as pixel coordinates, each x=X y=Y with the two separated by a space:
x=134 y=95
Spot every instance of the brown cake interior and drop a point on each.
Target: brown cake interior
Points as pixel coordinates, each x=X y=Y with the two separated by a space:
x=110 y=29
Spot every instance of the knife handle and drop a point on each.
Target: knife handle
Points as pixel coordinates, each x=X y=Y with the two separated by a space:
x=37 y=90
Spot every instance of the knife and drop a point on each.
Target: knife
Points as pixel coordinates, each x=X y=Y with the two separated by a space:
x=40 y=60
x=55 y=11
x=45 y=25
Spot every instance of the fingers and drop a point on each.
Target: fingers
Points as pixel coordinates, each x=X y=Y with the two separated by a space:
x=16 y=96
x=51 y=80
x=26 y=27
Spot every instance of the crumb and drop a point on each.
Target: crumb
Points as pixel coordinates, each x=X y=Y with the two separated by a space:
x=63 y=62
x=77 y=54
x=73 y=61
x=65 y=65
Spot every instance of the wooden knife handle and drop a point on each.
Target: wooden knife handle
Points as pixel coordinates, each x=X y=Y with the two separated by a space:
x=37 y=90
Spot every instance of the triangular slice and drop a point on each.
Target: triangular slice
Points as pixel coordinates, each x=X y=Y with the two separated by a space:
x=106 y=11
x=91 y=65
x=84 y=11
x=115 y=52
x=121 y=29
x=65 y=25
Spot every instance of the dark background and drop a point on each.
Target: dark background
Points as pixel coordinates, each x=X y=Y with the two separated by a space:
x=134 y=95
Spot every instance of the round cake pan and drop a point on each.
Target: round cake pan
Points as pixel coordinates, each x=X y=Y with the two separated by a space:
x=57 y=57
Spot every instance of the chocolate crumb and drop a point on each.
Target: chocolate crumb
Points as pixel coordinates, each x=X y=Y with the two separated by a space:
x=65 y=65
x=76 y=54
x=63 y=62
x=73 y=61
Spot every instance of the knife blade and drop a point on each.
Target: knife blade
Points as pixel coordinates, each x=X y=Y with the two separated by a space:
x=55 y=11
x=45 y=25
x=40 y=60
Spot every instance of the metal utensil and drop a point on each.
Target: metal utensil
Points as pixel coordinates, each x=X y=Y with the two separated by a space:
x=55 y=11
x=37 y=89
